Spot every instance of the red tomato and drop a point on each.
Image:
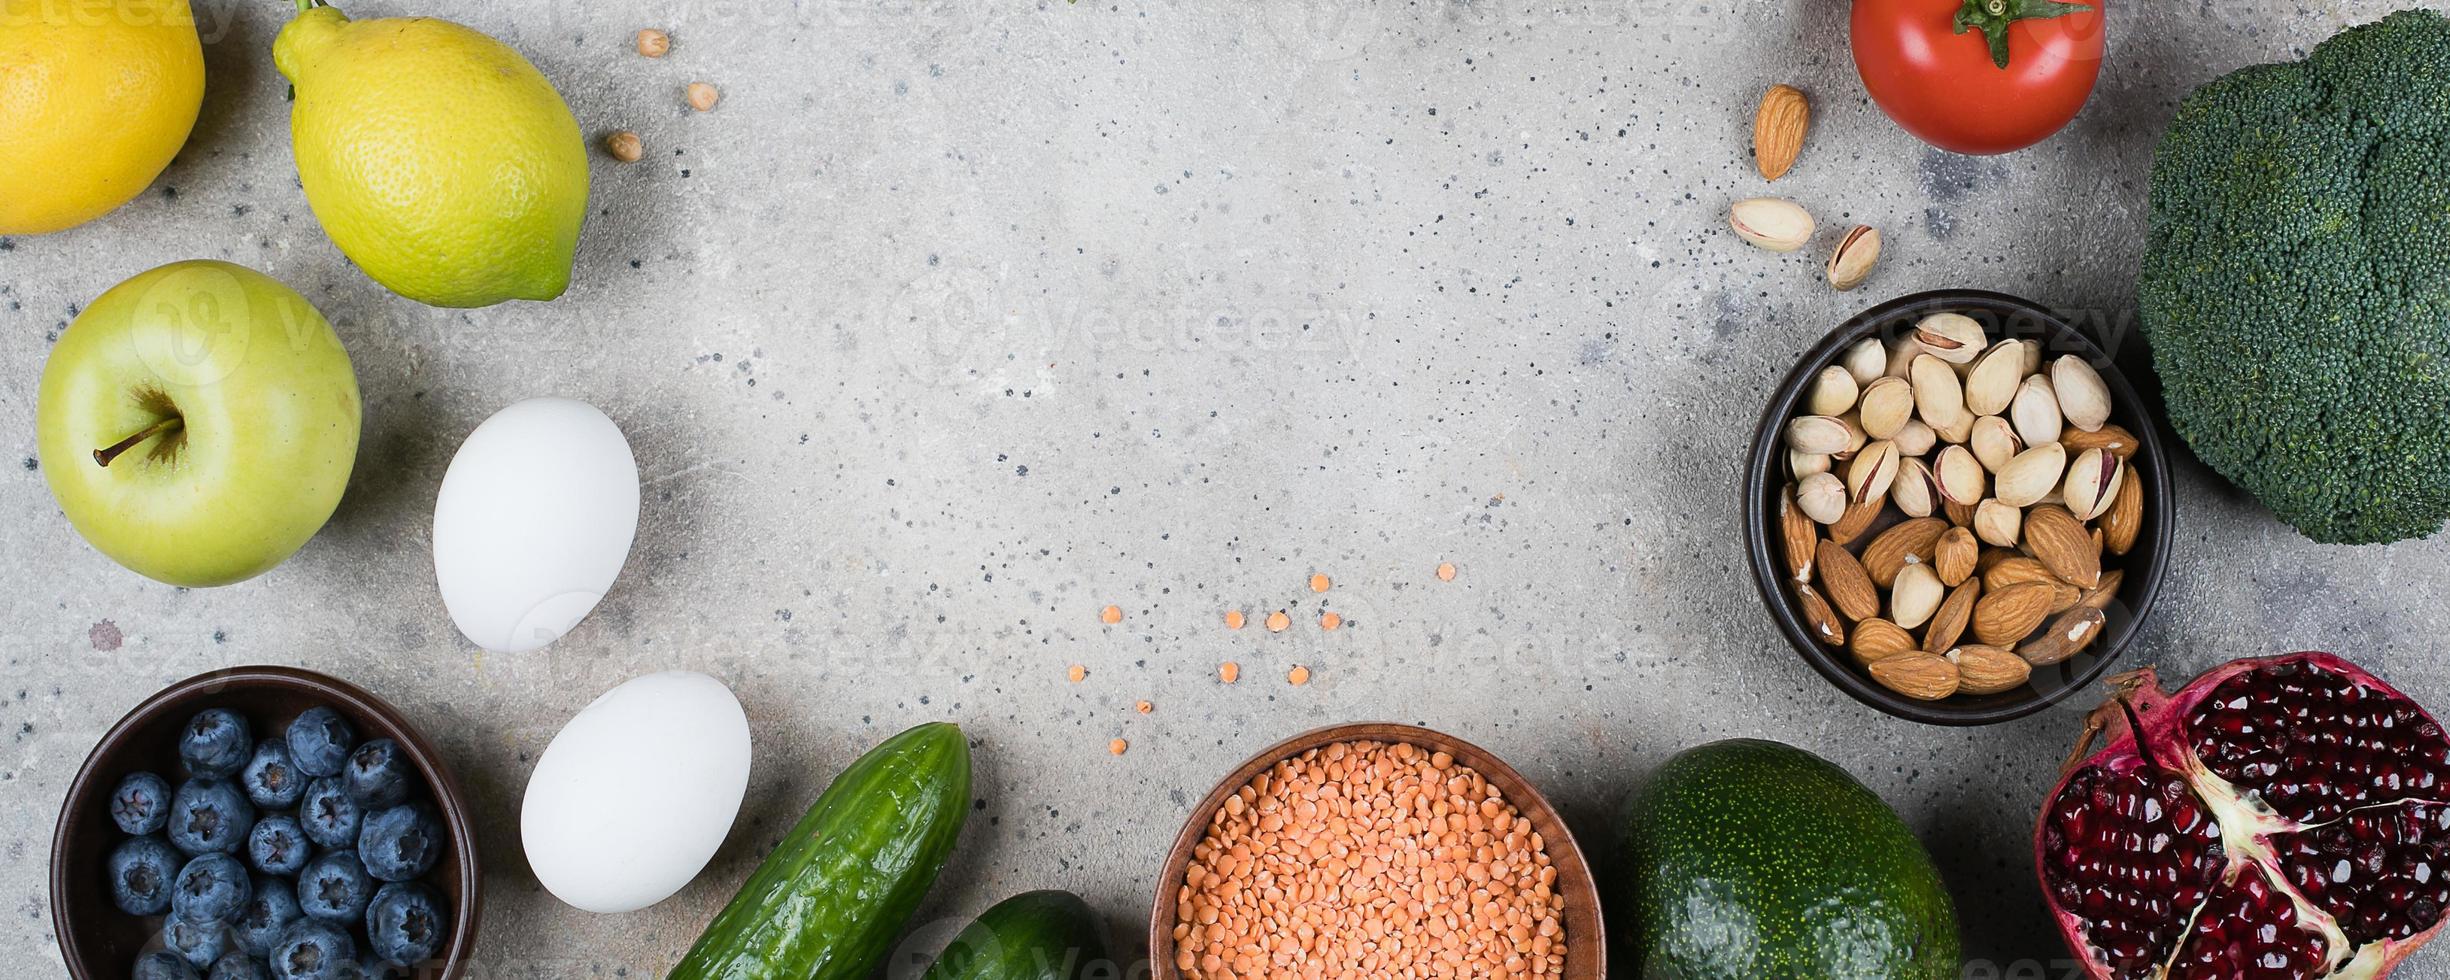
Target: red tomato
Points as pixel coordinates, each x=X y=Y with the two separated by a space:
x=1946 y=87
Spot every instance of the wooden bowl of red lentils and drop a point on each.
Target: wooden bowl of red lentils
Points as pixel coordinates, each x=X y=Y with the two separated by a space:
x=1375 y=850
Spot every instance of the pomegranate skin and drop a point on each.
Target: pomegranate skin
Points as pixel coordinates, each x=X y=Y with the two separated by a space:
x=2328 y=786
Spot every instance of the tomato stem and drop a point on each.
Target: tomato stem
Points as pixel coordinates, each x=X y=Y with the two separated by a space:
x=1992 y=18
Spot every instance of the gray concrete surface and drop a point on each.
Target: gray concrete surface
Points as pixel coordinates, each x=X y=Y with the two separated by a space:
x=956 y=322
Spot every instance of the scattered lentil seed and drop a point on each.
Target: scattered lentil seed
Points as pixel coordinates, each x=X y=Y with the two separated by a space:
x=1446 y=571
x=1365 y=859
x=1318 y=582
x=1076 y=672
x=1329 y=621
x=1117 y=746
x=1229 y=671
x=1277 y=621
x=624 y=146
x=1110 y=615
x=1299 y=675
x=1144 y=707
x=1233 y=619
x=703 y=96
x=653 y=43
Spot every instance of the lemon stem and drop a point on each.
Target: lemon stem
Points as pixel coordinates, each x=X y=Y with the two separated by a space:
x=103 y=456
x=306 y=5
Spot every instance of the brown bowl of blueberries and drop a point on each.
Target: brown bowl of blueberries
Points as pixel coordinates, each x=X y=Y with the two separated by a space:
x=265 y=822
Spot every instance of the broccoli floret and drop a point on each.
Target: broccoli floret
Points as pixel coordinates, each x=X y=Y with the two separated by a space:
x=2296 y=286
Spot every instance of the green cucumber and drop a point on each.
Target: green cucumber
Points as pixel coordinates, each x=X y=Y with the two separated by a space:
x=1042 y=935
x=827 y=903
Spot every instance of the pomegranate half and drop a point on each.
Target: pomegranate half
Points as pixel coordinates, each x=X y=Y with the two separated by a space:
x=2280 y=817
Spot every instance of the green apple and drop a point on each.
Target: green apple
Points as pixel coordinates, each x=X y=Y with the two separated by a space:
x=198 y=422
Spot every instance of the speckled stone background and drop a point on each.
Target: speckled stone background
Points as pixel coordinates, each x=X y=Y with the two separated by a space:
x=956 y=322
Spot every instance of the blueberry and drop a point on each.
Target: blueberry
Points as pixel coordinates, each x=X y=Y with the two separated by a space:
x=141 y=871
x=372 y=967
x=278 y=846
x=200 y=941
x=211 y=888
x=314 y=951
x=141 y=804
x=271 y=780
x=210 y=816
x=162 y=964
x=401 y=843
x=328 y=815
x=334 y=887
x=215 y=743
x=405 y=924
x=271 y=910
x=378 y=774
x=320 y=740
x=238 y=966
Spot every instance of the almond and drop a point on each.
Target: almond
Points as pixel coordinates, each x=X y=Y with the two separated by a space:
x=1960 y=514
x=1920 y=676
x=1818 y=619
x=2015 y=570
x=1856 y=519
x=1778 y=128
x=2061 y=543
x=1878 y=639
x=1848 y=588
x=1800 y=535
x=1948 y=624
x=2063 y=597
x=1988 y=670
x=1953 y=556
x=2120 y=442
x=2074 y=630
x=2125 y=518
x=2008 y=615
x=1905 y=543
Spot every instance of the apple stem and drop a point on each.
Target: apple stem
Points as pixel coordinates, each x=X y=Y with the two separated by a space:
x=164 y=427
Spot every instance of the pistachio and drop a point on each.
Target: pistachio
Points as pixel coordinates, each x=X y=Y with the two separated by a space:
x=1887 y=405
x=1914 y=438
x=1802 y=465
x=2033 y=358
x=1997 y=523
x=1938 y=395
x=1822 y=496
x=1833 y=392
x=1992 y=383
x=2083 y=397
x=1958 y=475
x=1951 y=337
x=1817 y=434
x=1914 y=492
x=1855 y=437
x=1866 y=360
x=2092 y=483
x=1916 y=595
x=1871 y=472
x=1852 y=261
x=2032 y=475
x=1994 y=442
x=1959 y=433
x=1772 y=223
x=1903 y=349
x=2036 y=411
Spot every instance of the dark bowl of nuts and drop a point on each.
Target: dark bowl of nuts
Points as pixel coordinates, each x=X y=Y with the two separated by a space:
x=1957 y=509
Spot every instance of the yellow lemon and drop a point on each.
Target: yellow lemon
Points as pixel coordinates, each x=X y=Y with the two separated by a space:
x=438 y=159
x=96 y=96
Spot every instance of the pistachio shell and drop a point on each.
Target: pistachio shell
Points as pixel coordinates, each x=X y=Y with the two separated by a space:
x=1887 y=405
x=2083 y=397
x=1998 y=524
x=1915 y=438
x=2032 y=475
x=1992 y=383
x=1833 y=392
x=2036 y=411
x=1852 y=261
x=1916 y=595
x=1872 y=471
x=1902 y=352
x=1866 y=360
x=1822 y=496
x=1801 y=465
x=1958 y=475
x=1994 y=442
x=1938 y=395
x=2092 y=483
x=1771 y=223
x=1817 y=434
x=1951 y=337
x=1914 y=492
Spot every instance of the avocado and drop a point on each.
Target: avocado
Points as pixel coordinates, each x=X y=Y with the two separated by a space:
x=1752 y=860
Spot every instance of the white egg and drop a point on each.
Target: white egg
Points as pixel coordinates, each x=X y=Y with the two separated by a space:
x=535 y=517
x=636 y=793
